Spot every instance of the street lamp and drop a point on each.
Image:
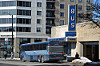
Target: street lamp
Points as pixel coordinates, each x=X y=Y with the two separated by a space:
x=12 y=40
x=12 y=37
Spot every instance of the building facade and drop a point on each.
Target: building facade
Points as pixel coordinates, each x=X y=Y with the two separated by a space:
x=84 y=11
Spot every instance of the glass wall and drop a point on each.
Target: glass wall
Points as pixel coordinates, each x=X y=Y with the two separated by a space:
x=7 y=29
x=23 y=21
x=7 y=3
x=23 y=29
x=25 y=40
x=24 y=12
x=23 y=4
x=7 y=20
x=37 y=40
x=8 y=12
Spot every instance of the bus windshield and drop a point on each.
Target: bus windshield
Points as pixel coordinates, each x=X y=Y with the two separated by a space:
x=56 y=47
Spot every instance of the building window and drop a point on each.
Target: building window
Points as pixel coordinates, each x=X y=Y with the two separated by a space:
x=24 y=40
x=39 y=13
x=79 y=0
x=88 y=1
x=23 y=21
x=23 y=29
x=50 y=22
x=7 y=3
x=50 y=6
x=38 y=21
x=7 y=29
x=23 y=4
x=38 y=29
x=5 y=12
x=87 y=7
x=62 y=6
x=88 y=16
x=50 y=14
x=37 y=40
x=79 y=21
x=24 y=12
x=39 y=4
x=62 y=14
x=80 y=15
x=71 y=0
x=7 y=20
x=61 y=22
x=48 y=30
x=79 y=7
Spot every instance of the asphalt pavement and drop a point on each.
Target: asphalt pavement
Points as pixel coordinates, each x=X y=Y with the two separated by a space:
x=17 y=62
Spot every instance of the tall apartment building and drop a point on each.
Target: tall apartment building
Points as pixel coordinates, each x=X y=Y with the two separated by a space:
x=29 y=23
x=84 y=7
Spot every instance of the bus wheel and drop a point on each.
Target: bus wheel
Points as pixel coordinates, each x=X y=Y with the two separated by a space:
x=22 y=59
x=42 y=59
x=39 y=58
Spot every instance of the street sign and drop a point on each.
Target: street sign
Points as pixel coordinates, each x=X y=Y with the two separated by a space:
x=70 y=34
x=56 y=39
x=6 y=42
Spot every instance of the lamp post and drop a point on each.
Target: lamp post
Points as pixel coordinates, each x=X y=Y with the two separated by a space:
x=12 y=40
x=12 y=36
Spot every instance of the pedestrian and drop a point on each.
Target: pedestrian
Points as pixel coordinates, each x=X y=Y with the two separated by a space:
x=5 y=55
x=77 y=56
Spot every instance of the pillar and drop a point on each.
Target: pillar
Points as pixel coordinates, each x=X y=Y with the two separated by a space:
x=44 y=39
x=32 y=40
x=16 y=47
x=79 y=48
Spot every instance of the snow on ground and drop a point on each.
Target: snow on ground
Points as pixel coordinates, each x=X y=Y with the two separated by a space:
x=82 y=60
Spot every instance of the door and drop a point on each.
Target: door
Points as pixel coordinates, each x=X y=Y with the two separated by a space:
x=91 y=52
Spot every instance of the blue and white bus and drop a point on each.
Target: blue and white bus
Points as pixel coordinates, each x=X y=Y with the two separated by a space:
x=42 y=51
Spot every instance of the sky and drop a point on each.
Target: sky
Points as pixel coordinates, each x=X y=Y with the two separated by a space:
x=94 y=17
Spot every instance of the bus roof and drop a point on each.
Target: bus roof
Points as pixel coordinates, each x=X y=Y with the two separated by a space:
x=34 y=43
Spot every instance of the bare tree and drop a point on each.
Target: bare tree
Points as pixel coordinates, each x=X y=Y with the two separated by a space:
x=94 y=13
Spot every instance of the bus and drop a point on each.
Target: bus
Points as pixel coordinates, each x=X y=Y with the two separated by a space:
x=42 y=51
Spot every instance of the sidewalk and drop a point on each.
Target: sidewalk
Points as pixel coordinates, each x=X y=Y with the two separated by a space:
x=17 y=59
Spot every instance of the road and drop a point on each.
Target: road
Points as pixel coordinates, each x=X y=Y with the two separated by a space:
x=7 y=62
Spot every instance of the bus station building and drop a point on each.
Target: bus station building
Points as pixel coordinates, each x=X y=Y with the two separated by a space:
x=86 y=42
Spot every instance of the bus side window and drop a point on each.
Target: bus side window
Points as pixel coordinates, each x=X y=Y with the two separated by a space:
x=44 y=46
x=33 y=48
x=40 y=46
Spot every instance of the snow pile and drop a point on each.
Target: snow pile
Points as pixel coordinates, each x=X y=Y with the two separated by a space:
x=81 y=60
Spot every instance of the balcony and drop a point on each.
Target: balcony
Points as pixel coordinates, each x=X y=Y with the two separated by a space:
x=50 y=6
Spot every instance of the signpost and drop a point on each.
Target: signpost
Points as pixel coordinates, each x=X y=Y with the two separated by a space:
x=71 y=22
x=72 y=17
